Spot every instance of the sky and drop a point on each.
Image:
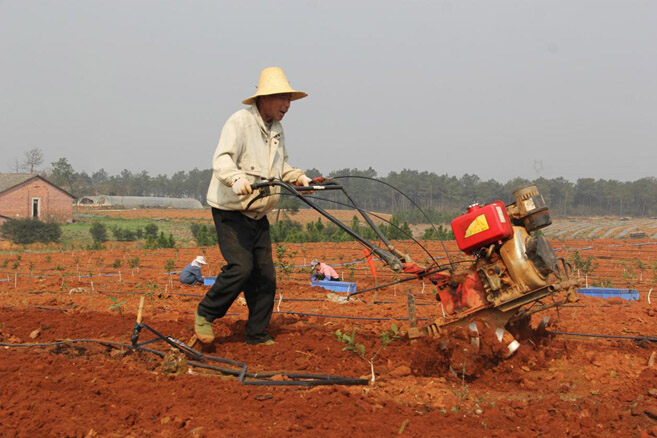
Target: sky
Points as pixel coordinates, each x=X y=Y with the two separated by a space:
x=499 y=89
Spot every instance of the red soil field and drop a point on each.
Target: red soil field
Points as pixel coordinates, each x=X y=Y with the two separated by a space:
x=554 y=386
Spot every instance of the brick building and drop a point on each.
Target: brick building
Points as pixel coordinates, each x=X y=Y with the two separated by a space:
x=28 y=195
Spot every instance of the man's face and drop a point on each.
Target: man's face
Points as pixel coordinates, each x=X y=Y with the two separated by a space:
x=274 y=106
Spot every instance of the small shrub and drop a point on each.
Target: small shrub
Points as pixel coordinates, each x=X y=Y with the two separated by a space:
x=150 y=231
x=585 y=265
x=284 y=260
x=96 y=246
x=203 y=235
x=439 y=233
x=98 y=232
x=25 y=231
x=165 y=242
x=123 y=234
x=134 y=262
x=162 y=241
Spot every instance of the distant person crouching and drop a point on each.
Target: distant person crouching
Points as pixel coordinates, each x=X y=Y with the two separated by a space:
x=191 y=275
x=322 y=271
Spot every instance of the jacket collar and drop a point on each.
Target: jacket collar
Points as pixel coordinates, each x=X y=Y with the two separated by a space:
x=276 y=127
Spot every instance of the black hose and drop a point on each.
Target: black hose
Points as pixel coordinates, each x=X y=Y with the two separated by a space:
x=384 y=220
x=407 y=197
x=591 y=335
x=299 y=379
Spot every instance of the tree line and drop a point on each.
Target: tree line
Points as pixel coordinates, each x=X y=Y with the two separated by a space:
x=441 y=197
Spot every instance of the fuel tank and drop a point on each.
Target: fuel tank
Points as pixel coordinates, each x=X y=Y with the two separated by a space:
x=481 y=226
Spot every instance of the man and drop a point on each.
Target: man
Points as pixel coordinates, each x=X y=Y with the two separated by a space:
x=191 y=274
x=322 y=271
x=251 y=149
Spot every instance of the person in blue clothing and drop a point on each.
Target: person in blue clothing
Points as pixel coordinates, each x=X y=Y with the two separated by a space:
x=191 y=274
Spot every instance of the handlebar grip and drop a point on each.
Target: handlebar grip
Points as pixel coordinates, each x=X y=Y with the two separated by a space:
x=259 y=185
x=329 y=185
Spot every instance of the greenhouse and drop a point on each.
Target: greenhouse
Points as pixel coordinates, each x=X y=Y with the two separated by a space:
x=139 y=202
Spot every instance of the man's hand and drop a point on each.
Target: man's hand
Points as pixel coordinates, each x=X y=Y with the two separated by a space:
x=242 y=187
x=303 y=180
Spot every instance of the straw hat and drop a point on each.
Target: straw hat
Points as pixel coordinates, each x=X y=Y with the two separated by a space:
x=273 y=81
x=314 y=263
x=200 y=259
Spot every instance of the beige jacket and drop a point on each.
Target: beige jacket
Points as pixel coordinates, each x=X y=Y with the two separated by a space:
x=248 y=149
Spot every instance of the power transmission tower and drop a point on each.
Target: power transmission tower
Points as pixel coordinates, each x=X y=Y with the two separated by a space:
x=538 y=167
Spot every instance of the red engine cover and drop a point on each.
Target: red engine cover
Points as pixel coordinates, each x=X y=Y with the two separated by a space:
x=481 y=226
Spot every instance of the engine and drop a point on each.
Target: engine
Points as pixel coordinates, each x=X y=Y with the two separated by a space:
x=511 y=260
x=514 y=266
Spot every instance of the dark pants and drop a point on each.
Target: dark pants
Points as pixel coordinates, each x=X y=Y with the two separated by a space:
x=246 y=247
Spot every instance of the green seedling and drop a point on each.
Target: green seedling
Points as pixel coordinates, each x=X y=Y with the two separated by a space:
x=118 y=307
x=386 y=338
x=585 y=265
x=134 y=263
x=168 y=267
x=352 y=272
x=283 y=260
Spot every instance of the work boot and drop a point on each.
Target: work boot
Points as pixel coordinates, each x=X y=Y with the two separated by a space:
x=203 y=329
x=264 y=339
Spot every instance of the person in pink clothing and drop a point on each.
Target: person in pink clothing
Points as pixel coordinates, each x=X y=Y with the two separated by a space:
x=322 y=271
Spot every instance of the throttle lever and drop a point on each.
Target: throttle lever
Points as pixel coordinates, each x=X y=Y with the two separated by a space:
x=264 y=191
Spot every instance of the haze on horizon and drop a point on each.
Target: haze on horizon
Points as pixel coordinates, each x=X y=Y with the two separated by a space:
x=498 y=89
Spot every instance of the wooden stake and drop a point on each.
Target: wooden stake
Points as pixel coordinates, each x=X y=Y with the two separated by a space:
x=403 y=427
x=141 y=309
x=412 y=318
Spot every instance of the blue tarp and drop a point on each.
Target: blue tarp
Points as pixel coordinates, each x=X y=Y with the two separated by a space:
x=335 y=286
x=610 y=292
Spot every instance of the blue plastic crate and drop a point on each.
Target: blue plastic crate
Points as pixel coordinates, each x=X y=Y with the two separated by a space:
x=610 y=292
x=335 y=286
x=208 y=281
